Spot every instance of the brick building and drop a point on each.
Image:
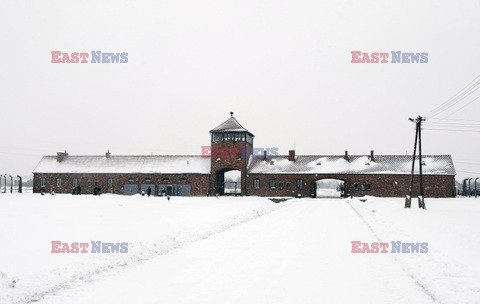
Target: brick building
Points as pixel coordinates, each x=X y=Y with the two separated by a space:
x=261 y=175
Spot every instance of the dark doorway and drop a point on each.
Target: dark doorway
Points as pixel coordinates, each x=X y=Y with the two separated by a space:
x=169 y=190
x=228 y=182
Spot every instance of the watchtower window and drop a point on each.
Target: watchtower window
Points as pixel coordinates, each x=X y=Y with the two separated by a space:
x=249 y=139
x=229 y=137
x=239 y=137
x=217 y=137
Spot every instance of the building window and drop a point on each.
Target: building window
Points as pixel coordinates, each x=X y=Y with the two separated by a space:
x=228 y=137
x=183 y=179
x=110 y=183
x=280 y=185
x=249 y=139
x=217 y=137
x=165 y=179
x=43 y=182
x=75 y=182
x=300 y=184
x=256 y=183
x=148 y=179
x=89 y=183
x=130 y=180
x=239 y=137
x=59 y=182
x=272 y=184
x=287 y=186
x=362 y=187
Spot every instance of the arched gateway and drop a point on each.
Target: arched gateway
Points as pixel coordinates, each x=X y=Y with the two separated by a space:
x=231 y=147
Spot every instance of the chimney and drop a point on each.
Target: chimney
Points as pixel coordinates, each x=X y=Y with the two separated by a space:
x=264 y=154
x=346 y=155
x=107 y=154
x=61 y=156
x=372 y=156
x=291 y=155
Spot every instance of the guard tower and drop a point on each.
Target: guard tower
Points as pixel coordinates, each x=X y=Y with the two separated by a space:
x=232 y=146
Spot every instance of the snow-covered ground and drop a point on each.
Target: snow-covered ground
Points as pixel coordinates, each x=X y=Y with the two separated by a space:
x=237 y=250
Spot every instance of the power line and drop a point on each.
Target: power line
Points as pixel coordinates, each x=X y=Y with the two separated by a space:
x=468 y=172
x=459 y=96
x=452 y=130
x=462 y=107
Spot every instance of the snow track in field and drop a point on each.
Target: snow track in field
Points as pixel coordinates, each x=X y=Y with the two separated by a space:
x=416 y=280
x=139 y=252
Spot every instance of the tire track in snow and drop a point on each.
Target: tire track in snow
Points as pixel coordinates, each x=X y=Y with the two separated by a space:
x=147 y=253
x=417 y=281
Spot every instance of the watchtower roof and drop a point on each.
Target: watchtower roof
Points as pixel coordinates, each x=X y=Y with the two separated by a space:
x=230 y=125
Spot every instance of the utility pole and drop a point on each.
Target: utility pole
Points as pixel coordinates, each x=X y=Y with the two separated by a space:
x=19 y=184
x=476 y=193
x=11 y=183
x=469 y=187
x=408 y=199
x=421 y=200
x=418 y=138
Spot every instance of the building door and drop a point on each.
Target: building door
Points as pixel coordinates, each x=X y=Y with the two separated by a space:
x=144 y=188
x=130 y=189
x=184 y=190
x=169 y=190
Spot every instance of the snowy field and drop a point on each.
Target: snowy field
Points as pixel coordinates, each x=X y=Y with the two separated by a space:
x=237 y=250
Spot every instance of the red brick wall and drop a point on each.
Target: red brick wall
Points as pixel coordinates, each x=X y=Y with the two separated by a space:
x=199 y=182
x=381 y=184
x=229 y=163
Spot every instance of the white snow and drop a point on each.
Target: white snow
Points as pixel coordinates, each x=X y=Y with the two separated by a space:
x=125 y=164
x=237 y=250
x=356 y=164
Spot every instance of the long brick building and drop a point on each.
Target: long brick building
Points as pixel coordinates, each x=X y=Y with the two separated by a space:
x=262 y=175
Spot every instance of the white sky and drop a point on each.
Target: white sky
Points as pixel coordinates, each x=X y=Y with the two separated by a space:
x=283 y=67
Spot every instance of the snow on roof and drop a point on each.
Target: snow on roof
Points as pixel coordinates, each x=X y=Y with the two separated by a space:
x=382 y=164
x=125 y=164
x=231 y=125
x=309 y=164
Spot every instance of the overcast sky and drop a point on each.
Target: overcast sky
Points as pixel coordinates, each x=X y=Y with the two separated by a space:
x=283 y=67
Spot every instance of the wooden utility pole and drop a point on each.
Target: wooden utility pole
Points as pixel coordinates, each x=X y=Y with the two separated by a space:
x=408 y=199
x=418 y=138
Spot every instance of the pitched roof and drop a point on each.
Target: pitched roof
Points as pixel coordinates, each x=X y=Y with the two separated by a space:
x=125 y=164
x=230 y=125
x=328 y=164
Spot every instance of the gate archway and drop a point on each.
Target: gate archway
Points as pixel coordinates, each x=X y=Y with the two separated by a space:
x=329 y=188
x=228 y=182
